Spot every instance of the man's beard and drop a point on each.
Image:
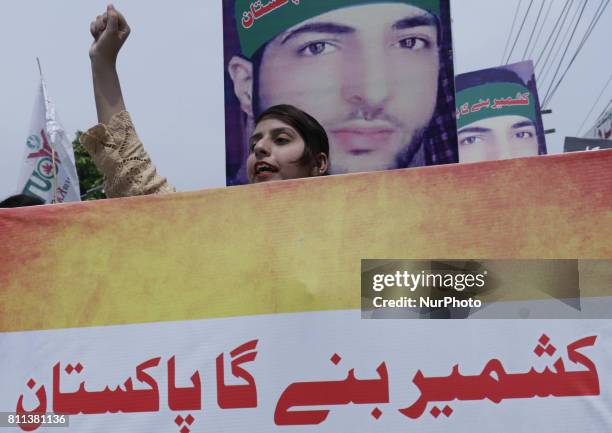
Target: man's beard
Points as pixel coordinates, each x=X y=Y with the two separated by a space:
x=410 y=155
x=413 y=154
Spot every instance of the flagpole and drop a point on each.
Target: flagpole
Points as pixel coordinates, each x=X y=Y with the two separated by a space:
x=53 y=163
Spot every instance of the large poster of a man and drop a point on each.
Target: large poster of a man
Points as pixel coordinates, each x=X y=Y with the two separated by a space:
x=498 y=114
x=378 y=75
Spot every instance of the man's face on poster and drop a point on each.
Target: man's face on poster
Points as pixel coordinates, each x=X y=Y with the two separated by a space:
x=368 y=74
x=500 y=137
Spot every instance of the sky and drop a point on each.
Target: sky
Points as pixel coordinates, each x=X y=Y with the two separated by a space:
x=171 y=71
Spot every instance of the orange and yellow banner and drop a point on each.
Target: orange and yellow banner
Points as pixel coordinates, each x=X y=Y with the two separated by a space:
x=290 y=246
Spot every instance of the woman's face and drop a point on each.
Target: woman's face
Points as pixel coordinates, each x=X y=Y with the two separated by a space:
x=275 y=149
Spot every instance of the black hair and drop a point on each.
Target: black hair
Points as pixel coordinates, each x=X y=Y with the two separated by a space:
x=493 y=75
x=21 y=200
x=439 y=138
x=311 y=131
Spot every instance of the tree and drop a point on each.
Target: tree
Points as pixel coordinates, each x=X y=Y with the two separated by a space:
x=91 y=181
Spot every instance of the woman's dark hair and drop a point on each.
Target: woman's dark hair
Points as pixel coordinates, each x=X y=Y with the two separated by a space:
x=311 y=131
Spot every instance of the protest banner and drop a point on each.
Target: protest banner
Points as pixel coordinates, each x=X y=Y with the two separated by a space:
x=239 y=309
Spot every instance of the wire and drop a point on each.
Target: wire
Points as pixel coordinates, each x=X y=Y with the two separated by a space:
x=605 y=110
x=598 y=14
x=594 y=105
x=535 y=26
x=564 y=42
x=546 y=15
x=546 y=99
x=520 y=31
x=563 y=16
x=601 y=115
x=511 y=31
x=567 y=2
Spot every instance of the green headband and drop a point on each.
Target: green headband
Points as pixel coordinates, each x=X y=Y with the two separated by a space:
x=492 y=100
x=259 y=21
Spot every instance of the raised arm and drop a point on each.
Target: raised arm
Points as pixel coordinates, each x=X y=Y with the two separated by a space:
x=113 y=144
x=110 y=31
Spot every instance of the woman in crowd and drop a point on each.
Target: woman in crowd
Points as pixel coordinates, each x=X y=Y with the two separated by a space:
x=286 y=143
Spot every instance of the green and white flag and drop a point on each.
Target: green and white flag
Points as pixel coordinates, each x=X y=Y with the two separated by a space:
x=48 y=169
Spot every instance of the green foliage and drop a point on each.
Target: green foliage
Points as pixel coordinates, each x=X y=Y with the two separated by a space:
x=90 y=179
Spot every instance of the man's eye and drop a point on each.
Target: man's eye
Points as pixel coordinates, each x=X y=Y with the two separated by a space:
x=317 y=49
x=523 y=135
x=471 y=140
x=413 y=43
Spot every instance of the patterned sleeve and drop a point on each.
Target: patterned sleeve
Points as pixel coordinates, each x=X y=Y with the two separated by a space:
x=120 y=156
